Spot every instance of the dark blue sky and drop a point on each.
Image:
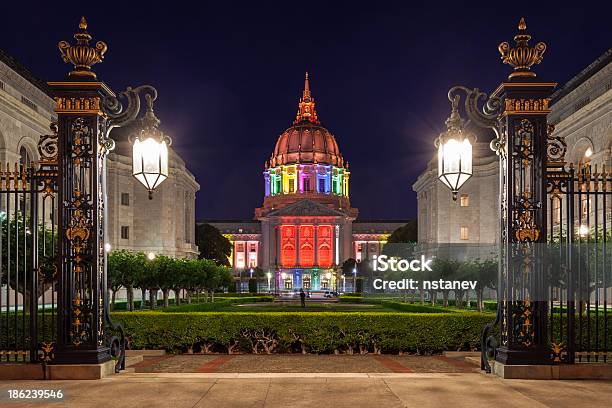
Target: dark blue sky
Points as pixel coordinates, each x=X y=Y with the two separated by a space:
x=230 y=74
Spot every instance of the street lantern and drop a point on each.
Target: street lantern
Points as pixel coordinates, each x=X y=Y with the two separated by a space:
x=150 y=150
x=454 y=151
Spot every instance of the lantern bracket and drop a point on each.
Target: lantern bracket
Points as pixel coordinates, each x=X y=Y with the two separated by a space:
x=124 y=113
x=482 y=109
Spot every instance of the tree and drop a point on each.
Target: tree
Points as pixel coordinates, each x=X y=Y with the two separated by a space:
x=165 y=275
x=253 y=285
x=132 y=275
x=348 y=266
x=467 y=270
x=443 y=269
x=212 y=244
x=486 y=278
x=405 y=234
x=17 y=243
x=118 y=265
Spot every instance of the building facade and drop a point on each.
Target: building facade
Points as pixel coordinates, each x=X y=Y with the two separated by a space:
x=581 y=112
x=164 y=225
x=306 y=227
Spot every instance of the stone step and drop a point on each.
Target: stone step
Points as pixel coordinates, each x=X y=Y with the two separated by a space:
x=461 y=354
x=131 y=360
x=473 y=360
x=147 y=353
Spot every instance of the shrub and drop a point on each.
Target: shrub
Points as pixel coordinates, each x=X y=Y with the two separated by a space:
x=308 y=332
x=414 y=308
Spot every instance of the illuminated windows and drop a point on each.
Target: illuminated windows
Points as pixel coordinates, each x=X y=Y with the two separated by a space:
x=321 y=187
x=306 y=246
x=464 y=233
x=325 y=246
x=324 y=179
x=287 y=246
x=465 y=200
x=306 y=185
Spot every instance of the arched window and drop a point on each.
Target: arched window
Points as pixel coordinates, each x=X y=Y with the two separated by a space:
x=24 y=158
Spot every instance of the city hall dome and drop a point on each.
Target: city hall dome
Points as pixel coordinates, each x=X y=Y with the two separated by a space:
x=306 y=164
x=306 y=141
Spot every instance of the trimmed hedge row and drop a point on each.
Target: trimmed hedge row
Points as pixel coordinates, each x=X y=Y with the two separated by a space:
x=309 y=332
x=415 y=308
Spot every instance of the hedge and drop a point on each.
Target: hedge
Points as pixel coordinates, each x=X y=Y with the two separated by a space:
x=305 y=332
x=415 y=308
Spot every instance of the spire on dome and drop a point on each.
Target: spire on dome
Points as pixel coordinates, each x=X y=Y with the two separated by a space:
x=306 y=106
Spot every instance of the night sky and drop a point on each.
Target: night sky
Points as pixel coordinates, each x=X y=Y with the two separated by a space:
x=230 y=74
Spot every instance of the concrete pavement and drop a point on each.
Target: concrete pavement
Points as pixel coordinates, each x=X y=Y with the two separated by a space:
x=219 y=390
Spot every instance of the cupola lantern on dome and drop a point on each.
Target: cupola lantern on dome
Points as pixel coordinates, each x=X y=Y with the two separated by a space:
x=306 y=107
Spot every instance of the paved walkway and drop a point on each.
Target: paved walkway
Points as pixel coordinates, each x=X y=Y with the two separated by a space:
x=298 y=363
x=218 y=390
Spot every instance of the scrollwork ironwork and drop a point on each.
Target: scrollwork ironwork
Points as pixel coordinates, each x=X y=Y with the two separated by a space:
x=47 y=146
x=556 y=148
x=481 y=109
x=121 y=114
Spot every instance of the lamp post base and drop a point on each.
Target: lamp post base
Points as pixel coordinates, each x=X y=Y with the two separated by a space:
x=82 y=356
x=523 y=357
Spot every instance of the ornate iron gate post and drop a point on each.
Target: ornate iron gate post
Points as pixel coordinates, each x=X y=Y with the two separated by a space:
x=523 y=156
x=82 y=150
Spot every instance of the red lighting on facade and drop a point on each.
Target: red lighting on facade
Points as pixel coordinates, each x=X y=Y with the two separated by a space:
x=287 y=245
x=325 y=245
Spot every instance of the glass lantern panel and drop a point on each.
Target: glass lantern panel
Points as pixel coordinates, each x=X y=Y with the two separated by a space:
x=452 y=156
x=163 y=155
x=137 y=157
x=151 y=156
x=466 y=157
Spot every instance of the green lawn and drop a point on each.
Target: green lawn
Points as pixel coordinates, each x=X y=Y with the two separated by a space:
x=261 y=304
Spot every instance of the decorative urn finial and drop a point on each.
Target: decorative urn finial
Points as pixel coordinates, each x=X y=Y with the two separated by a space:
x=522 y=56
x=82 y=55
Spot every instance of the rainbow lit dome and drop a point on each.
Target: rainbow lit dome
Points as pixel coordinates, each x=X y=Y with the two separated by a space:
x=306 y=141
x=306 y=162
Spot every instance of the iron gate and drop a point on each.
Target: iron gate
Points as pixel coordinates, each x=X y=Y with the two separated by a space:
x=28 y=246
x=580 y=267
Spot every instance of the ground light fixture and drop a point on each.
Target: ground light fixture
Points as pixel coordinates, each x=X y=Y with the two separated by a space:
x=150 y=149
x=454 y=151
x=584 y=230
x=151 y=256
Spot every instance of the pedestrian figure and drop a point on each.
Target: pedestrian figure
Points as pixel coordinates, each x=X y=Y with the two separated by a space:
x=302 y=297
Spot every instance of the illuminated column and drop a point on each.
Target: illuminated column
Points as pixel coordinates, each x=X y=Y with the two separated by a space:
x=337 y=245
x=285 y=179
x=297 y=245
x=316 y=246
x=345 y=183
x=335 y=174
x=267 y=182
